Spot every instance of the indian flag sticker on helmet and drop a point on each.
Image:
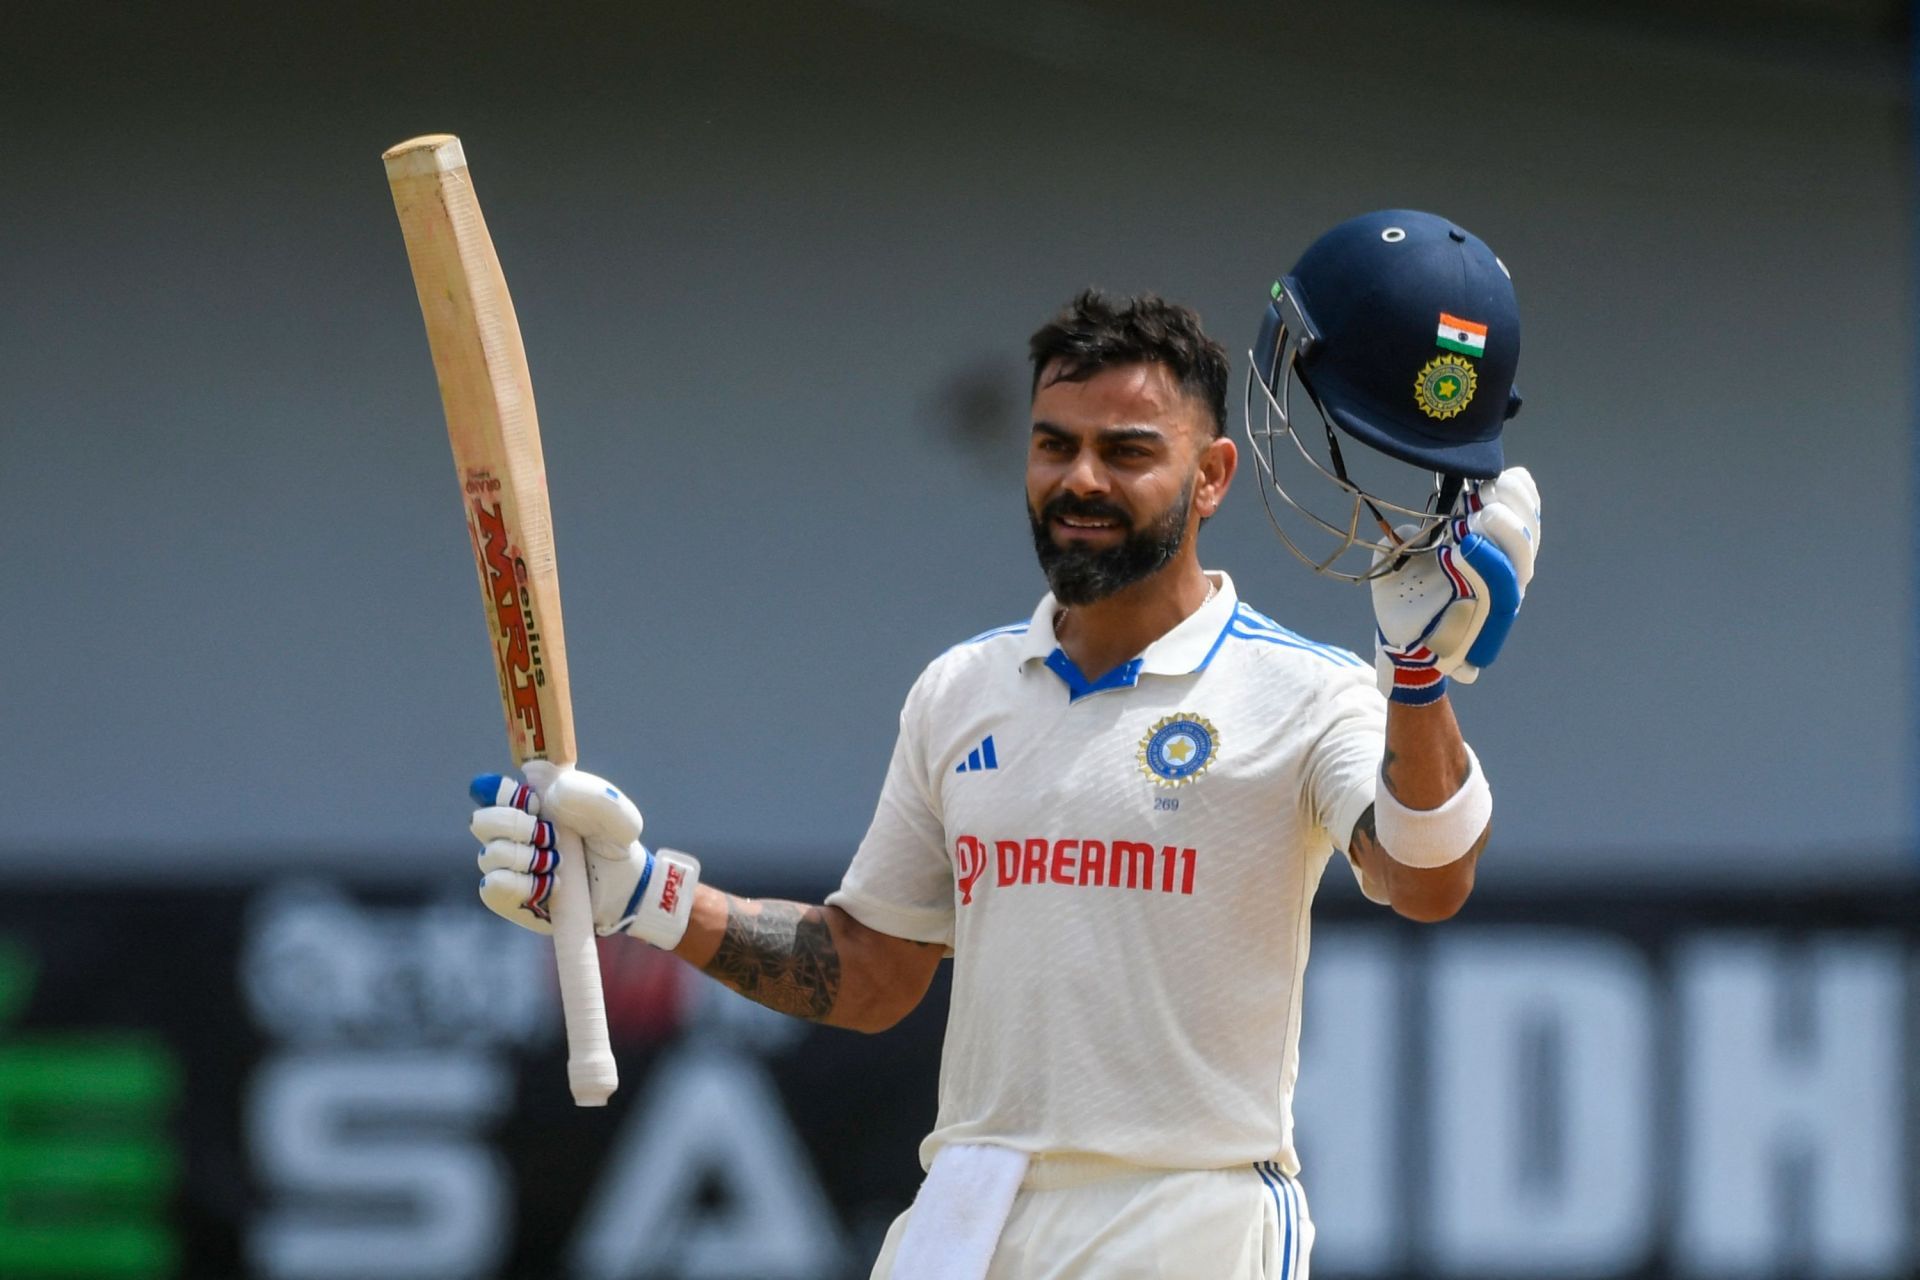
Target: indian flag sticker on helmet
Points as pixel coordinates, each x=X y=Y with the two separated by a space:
x=1464 y=336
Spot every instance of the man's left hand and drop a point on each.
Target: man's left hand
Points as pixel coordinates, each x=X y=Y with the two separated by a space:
x=1446 y=611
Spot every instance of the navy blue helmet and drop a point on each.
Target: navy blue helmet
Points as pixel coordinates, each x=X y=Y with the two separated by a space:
x=1403 y=329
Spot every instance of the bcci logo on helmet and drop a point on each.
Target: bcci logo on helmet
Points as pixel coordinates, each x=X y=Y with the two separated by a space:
x=1445 y=386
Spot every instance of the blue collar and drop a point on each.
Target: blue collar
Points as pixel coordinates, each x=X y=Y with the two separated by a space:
x=1124 y=676
x=1185 y=650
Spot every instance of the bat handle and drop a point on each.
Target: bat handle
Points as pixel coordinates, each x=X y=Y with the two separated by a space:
x=591 y=1072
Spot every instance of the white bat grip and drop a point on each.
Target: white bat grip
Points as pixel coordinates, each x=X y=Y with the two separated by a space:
x=591 y=1072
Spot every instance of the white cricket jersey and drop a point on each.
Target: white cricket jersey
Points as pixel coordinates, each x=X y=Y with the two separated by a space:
x=1123 y=870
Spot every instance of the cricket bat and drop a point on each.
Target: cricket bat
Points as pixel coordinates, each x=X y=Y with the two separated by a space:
x=488 y=396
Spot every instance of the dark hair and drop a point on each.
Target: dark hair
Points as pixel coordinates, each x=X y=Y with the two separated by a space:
x=1095 y=331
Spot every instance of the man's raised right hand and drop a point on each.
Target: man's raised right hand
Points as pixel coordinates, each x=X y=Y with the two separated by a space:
x=637 y=891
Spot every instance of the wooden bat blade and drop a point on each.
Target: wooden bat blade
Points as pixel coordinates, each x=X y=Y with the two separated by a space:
x=495 y=433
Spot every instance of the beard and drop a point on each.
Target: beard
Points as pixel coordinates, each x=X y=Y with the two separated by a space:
x=1081 y=575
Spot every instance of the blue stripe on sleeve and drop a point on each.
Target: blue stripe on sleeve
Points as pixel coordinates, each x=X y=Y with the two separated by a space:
x=1250 y=624
x=1011 y=629
x=1339 y=657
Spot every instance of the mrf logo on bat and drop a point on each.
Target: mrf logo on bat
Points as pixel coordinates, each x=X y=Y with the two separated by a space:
x=516 y=633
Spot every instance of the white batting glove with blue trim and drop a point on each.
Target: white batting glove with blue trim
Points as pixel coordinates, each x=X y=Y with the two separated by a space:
x=637 y=891
x=1446 y=612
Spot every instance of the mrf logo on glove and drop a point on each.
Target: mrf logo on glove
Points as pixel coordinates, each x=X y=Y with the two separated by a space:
x=670 y=889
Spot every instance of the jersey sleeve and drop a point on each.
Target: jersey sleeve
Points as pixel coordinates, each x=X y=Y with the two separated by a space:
x=901 y=879
x=1343 y=767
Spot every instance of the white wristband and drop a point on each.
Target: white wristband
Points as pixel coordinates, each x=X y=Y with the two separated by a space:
x=663 y=900
x=1434 y=837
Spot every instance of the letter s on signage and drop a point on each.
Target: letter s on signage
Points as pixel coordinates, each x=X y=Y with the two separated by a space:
x=340 y=1139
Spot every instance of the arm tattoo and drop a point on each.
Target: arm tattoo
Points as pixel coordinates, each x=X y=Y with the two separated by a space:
x=779 y=954
x=1363 y=830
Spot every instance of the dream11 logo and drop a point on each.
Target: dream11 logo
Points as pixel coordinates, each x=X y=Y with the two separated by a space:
x=970 y=863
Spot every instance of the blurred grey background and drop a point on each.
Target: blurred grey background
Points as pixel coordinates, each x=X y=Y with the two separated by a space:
x=776 y=265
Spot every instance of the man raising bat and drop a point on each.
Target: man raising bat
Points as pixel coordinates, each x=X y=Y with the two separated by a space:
x=1113 y=814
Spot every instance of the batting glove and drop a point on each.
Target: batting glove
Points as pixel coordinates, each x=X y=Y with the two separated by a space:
x=645 y=893
x=1446 y=612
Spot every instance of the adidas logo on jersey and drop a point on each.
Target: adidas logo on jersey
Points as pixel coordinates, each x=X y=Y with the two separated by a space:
x=981 y=757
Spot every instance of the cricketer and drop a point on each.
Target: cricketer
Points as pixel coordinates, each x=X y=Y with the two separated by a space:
x=1113 y=815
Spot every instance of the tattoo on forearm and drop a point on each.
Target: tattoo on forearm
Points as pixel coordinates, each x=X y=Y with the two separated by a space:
x=1388 y=759
x=779 y=954
x=1396 y=768
x=1365 y=833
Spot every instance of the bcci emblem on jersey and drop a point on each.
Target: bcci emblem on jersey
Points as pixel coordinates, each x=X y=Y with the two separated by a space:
x=1178 y=749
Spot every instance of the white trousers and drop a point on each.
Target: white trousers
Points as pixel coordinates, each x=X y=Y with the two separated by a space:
x=1244 y=1223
